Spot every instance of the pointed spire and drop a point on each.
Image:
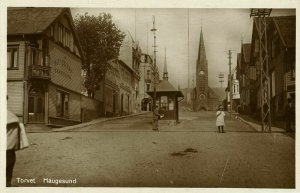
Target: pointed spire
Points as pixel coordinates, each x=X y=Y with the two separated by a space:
x=165 y=74
x=201 y=45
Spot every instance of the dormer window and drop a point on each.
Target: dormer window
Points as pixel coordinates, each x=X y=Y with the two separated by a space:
x=65 y=37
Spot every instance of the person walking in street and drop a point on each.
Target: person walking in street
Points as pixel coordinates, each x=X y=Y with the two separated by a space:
x=220 y=123
x=156 y=116
x=289 y=116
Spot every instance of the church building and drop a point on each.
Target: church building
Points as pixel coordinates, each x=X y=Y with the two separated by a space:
x=204 y=97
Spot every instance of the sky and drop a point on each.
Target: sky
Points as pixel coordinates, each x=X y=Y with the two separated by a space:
x=178 y=31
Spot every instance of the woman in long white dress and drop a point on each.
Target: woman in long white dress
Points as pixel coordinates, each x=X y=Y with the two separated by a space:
x=220 y=123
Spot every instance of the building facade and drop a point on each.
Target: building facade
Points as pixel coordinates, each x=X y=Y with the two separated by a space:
x=281 y=34
x=44 y=61
x=119 y=90
x=146 y=82
x=246 y=75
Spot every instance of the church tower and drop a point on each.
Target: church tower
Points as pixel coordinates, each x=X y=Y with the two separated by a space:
x=201 y=92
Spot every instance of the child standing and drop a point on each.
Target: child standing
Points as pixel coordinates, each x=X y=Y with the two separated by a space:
x=220 y=119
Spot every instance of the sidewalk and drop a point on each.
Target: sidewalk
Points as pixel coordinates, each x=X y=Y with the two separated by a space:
x=255 y=124
x=41 y=128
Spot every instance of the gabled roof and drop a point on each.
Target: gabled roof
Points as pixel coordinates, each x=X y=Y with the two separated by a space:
x=246 y=52
x=31 y=20
x=286 y=26
x=166 y=86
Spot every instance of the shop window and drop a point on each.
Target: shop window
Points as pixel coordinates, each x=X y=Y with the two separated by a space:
x=62 y=104
x=171 y=104
x=164 y=103
x=12 y=57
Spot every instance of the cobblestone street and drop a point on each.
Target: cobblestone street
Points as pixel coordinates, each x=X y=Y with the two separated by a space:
x=127 y=153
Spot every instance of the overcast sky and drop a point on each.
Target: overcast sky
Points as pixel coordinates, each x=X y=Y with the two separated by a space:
x=223 y=29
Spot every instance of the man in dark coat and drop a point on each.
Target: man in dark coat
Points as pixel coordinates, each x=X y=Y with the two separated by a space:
x=156 y=116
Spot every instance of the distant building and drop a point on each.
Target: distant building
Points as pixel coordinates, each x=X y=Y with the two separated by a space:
x=203 y=96
x=146 y=82
x=246 y=75
x=44 y=61
x=119 y=89
x=235 y=92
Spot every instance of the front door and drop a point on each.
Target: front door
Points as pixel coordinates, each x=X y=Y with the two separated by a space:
x=36 y=106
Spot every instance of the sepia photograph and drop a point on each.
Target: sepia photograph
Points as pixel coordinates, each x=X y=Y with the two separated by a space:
x=157 y=97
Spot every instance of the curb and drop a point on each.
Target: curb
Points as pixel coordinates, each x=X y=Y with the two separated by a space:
x=258 y=127
x=96 y=121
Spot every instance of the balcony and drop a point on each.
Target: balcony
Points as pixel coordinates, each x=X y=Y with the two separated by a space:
x=39 y=72
x=38 y=64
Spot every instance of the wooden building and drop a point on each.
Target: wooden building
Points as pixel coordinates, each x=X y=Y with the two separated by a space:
x=281 y=33
x=246 y=75
x=44 y=61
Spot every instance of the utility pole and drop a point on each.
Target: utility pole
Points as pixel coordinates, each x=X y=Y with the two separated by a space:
x=230 y=82
x=188 y=50
x=154 y=63
x=265 y=104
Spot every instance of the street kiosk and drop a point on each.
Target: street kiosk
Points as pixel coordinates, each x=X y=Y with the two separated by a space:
x=167 y=98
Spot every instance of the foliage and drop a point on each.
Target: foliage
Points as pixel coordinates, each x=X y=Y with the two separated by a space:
x=100 y=40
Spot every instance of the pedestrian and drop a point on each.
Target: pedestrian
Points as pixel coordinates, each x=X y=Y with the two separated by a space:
x=16 y=140
x=289 y=115
x=156 y=116
x=220 y=123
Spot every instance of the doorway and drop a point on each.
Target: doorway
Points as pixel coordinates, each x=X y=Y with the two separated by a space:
x=36 y=106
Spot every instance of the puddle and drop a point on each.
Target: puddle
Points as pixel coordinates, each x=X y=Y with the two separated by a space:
x=66 y=138
x=191 y=150
x=185 y=152
x=178 y=154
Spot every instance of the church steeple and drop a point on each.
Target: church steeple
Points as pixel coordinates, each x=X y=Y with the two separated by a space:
x=201 y=99
x=165 y=74
x=201 y=49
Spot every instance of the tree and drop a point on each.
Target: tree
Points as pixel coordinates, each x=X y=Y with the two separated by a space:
x=100 y=40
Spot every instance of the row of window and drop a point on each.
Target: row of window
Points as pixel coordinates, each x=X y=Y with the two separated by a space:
x=65 y=37
x=12 y=57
